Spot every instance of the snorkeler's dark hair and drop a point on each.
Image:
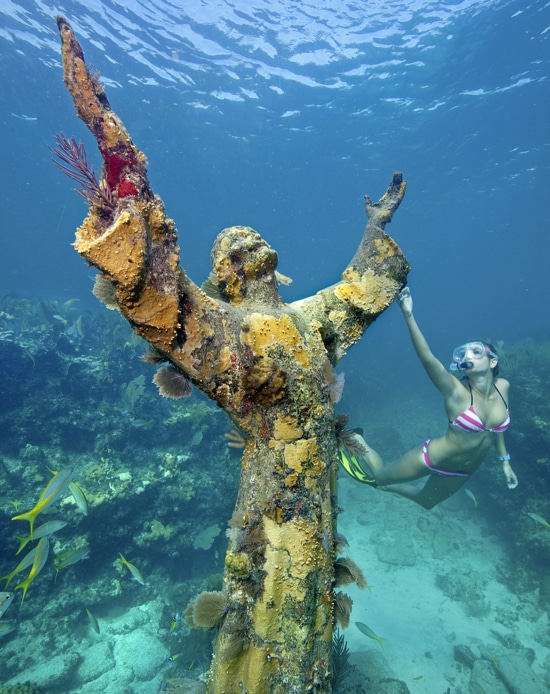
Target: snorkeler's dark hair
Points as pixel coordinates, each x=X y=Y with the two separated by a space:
x=496 y=368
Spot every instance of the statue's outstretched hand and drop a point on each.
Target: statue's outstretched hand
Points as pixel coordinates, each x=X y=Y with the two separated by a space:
x=405 y=301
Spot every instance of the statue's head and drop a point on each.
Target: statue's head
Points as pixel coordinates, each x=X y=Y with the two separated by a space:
x=243 y=267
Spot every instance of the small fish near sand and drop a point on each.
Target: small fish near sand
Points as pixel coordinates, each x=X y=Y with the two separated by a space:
x=370 y=633
x=539 y=519
x=487 y=655
x=93 y=621
x=6 y=628
x=52 y=492
x=472 y=496
x=174 y=621
x=132 y=569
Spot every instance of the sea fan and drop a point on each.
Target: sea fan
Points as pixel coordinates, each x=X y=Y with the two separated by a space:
x=172 y=383
x=104 y=291
x=235 y=439
x=340 y=541
x=346 y=571
x=232 y=646
x=342 y=609
x=347 y=438
x=211 y=287
x=209 y=608
x=334 y=383
x=153 y=356
x=70 y=157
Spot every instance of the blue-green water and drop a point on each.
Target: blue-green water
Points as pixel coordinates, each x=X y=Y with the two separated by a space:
x=280 y=116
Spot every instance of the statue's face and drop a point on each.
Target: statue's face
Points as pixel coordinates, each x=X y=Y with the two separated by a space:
x=244 y=265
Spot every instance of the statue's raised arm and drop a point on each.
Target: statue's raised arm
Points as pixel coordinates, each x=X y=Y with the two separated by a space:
x=128 y=236
x=375 y=275
x=269 y=365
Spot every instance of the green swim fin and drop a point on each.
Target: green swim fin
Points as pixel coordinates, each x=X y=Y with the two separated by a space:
x=352 y=466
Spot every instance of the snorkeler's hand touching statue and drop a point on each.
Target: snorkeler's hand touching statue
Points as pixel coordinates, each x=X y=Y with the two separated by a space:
x=404 y=299
x=477 y=411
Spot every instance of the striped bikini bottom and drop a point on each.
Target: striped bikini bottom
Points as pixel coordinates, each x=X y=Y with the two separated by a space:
x=441 y=471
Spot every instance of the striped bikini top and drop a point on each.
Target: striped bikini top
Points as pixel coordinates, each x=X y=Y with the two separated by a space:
x=471 y=422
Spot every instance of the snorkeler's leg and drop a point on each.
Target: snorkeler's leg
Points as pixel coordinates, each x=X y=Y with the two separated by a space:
x=436 y=490
x=373 y=460
x=408 y=468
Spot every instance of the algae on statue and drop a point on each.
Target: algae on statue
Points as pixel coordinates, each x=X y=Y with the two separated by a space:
x=269 y=365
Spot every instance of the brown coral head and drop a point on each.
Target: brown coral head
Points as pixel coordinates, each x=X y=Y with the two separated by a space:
x=342 y=609
x=346 y=571
x=208 y=609
x=264 y=382
x=172 y=383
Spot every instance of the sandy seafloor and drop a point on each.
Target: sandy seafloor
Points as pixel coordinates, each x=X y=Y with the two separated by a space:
x=406 y=606
x=435 y=580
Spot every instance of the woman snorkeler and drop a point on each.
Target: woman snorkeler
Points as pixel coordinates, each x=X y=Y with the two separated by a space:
x=478 y=414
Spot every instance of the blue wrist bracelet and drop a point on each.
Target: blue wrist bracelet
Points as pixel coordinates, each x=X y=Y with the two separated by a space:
x=504 y=457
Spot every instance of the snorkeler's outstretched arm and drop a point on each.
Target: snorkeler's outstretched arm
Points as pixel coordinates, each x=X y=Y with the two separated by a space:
x=442 y=380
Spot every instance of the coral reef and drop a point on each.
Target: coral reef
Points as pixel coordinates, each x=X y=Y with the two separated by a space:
x=25 y=688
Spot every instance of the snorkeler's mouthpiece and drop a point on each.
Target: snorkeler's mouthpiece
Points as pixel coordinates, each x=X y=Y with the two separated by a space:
x=466 y=364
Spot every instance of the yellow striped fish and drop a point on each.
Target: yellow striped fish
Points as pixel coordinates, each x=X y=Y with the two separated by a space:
x=7 y=628
x=70 y=557
x=5 y=602
x=43 y=530
x=133 y=570
x=42 y=549
x=55 y=487
x=79 y=497
x=539 y=519
x=23 y=564
x=93 y=621
x=370 y=633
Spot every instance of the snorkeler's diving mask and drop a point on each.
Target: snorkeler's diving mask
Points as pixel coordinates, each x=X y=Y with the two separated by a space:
x=464 y=356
